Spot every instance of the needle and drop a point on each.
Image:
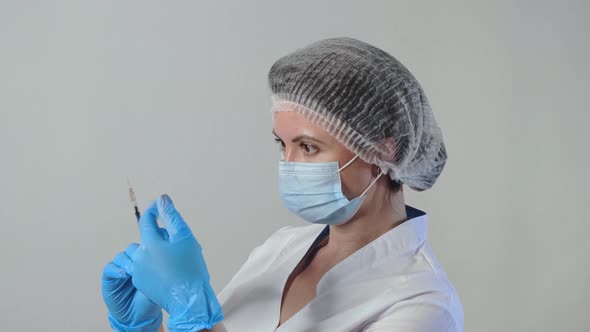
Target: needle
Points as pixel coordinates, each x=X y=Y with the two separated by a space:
x=133 y=200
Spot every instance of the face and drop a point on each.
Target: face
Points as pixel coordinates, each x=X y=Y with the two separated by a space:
x=302 y=141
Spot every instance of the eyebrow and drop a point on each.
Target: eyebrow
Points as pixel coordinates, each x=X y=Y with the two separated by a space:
x=301 y=138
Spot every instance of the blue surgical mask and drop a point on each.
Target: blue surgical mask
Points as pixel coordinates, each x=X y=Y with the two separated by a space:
x=313 y=191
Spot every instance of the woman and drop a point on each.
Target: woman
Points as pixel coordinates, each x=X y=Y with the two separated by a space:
x=354 y=126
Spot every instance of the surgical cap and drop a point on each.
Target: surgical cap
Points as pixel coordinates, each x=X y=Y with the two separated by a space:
x=368 y=101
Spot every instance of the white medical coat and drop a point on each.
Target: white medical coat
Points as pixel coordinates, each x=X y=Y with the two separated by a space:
x=394 y=283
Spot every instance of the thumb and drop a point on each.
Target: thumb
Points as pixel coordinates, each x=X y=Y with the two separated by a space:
x=175 y=226
x=148 y=225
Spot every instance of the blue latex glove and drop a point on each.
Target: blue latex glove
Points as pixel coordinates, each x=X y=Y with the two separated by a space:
x=169 y=268
x=129 y=309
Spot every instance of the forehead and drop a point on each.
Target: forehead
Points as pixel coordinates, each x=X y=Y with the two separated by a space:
x=290 y=124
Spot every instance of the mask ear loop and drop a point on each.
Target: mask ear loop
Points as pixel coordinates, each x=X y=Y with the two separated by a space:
x=346 y=165
x=374 y=181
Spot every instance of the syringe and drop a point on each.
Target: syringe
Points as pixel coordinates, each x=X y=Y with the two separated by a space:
x=133 y=200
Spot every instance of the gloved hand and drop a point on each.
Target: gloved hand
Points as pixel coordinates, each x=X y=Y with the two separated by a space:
x=169 y=268
x=129 y=309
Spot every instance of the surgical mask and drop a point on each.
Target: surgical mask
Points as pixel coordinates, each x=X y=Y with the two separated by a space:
x=313 y=191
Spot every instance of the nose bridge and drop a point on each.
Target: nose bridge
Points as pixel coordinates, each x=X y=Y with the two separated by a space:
x=288 y=155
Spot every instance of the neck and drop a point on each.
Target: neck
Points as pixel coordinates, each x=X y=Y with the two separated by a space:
x=368 y=224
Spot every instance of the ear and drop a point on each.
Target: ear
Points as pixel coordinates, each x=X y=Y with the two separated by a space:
x=376 y=170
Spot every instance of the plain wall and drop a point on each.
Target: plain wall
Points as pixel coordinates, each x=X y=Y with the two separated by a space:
x=174 y=96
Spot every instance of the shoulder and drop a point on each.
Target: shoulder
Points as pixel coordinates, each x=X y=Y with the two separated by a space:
x=291 y=232
x=290 y=237
x=264 y=257
x=425 y=299
x=430 y=312
x=434 y=305
x=286 y=239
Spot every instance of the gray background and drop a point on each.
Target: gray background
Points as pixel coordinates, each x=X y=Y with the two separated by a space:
x=173 y=95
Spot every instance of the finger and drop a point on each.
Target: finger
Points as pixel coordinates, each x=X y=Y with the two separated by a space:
x=148 y=225
x=124 y=262
x=171 y=219
x=131 y=249
x=113 y=278
x=113 y=287
x=112 y=272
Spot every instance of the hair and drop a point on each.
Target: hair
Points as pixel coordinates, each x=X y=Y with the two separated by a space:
x=394 y=186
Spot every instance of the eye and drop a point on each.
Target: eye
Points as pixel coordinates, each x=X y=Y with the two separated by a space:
x=309 y=149
x=280 y=142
